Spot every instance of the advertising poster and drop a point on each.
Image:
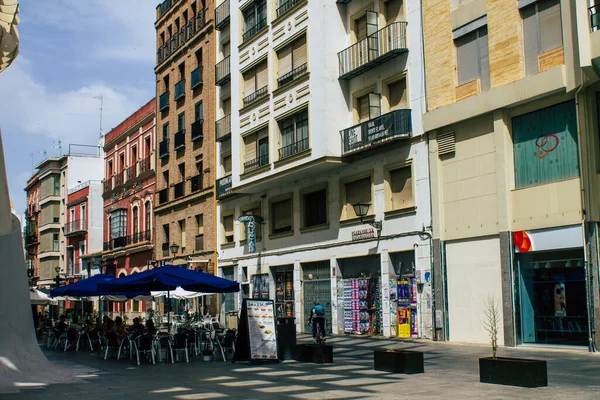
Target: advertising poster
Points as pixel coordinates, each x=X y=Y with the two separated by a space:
x=261 y=330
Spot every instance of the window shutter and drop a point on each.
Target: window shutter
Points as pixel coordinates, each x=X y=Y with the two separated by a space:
x=200 y=221
x=262 y=76
x=397 y=94
x=228 y=228
x=530 y=39
x=363 y=108
x=393 y=10
x=250 y=147
x=183 y=233
x=249 y=82
x=357 y=191
x=550 y=25
x=446 y=143
x=360 y=28
x=299 y=57
x=466 y=57
x=374 y=105
x=227 y=164
x=227 y=106
x=401 y=188
x=285 y=60
x=282 y=215
x=226 y=49
x=484 y=59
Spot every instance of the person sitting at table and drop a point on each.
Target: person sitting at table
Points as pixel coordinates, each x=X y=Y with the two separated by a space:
x=107 y=325
x=61 y=325
x=150 y=328
x=75 y=324
x=137 y=326
x=119 y=328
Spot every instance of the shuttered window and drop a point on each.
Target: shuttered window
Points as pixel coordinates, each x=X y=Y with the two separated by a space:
x=262 y=75
x=299 y=52
x=228 y=228
x=182 y=233
x=397 y=94
x=542 y=31
x=200 y=223
x=545 y=145
x=362 y=107
x=473 y=58
x=401 y=188
x=250 y=147
x=227 y=106
x=357 y=191
x=281 y=216
x=360 y=28
x=285 y=60
x=226 y=49
x=227 y=164
x=255 y=79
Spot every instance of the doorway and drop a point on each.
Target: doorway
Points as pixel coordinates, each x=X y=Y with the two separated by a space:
x=316 y=285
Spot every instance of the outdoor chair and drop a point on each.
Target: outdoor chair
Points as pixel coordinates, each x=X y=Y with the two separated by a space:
x=113 y=344
x=163 y=342
x=228 y=342
x=180 y=344
x=144 y=344
x=61 y=340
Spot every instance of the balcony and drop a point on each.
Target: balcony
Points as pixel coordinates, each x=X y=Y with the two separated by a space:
x=145 y=165
x=163 y=196
x=223 y=128
x=199 y=242
x=594 y=17
x=197 y=183
x=131 y=172
x=179 y=140
x=222 y=15
x=293 y=74
x=294 y=148
x=259 y=94
x=31 y=238
x=393 y=125
x=197 y=130
x=179 y=90
x=196 y=77
x=77 y=227
x=164 y=6
x=163 y=101
x=181 y=37
x=163 y=148
x=119 y=178
x=375 y=49
x=108 y=184
x=285 y=6
x=223 y=71
x=139 y=237
x=178 y=190
x=256 y=163
x=123 y=241
x=223 y=186
x=254 y=30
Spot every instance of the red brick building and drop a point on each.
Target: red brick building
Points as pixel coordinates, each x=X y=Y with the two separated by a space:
x=31 y=228
x=128 y=192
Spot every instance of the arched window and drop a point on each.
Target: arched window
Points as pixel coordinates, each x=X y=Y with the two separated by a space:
x=148 y=220
x=136 y=220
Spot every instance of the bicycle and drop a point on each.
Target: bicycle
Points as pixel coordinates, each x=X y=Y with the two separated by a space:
x=318 y=339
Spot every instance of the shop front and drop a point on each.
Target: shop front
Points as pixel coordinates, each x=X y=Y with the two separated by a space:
x=284 y=290
x=551 y=287
x=404 y=295
x=316 y=286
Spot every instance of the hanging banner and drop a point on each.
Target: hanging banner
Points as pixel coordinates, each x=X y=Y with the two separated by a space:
x=250 y=221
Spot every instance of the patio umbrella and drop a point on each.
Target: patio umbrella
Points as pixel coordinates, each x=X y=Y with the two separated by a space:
x=38 y=297
x=90 y=287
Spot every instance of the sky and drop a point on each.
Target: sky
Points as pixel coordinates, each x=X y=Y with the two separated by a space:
x=72 y=51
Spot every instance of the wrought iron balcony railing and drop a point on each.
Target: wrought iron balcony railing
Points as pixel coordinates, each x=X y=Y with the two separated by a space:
x=223 y=186
x=179 y=90
x=294 y=148
x=131 y=172
x=181 y=37
x=145 y=165
x=108 y=184
x=197 y=183
x=163 y=196
x=163 y=101
x=197 y=130
x=163 y=148
x=254 y=29
x=76 y=227
x=223 y=128
x=196 y=77
x=373 y=50
x=393 y=125
x=259 y=94
x=179 y=140
x=126 y=240
x=256 y=163
x=293 y=74
x=223 y=71
x=284 y=6
x=179 y=190
x=119 y=178
x=222 y=15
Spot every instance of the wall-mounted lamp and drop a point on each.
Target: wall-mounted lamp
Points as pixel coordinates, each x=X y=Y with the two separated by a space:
x=361 y=210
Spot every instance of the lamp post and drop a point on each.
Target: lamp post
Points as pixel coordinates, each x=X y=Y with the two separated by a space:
x=174 y=250
x=361 y=209
x=57 y=278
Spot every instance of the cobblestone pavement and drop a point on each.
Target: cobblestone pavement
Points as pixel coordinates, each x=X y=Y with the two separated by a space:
x=451 y=372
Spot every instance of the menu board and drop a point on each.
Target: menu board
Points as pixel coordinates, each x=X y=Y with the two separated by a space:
x=261 y=330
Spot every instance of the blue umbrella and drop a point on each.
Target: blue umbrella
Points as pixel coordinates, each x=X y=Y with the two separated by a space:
x=89 y=287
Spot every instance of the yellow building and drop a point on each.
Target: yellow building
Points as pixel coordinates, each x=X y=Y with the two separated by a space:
x=512 y=119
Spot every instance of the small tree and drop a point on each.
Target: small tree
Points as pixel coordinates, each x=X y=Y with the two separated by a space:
x=491 y=322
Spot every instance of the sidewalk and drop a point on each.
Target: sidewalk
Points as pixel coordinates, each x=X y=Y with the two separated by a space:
x=451 y=372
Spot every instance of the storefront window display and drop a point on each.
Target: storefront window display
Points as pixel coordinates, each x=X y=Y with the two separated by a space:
x=284 y=292
x=260 y=287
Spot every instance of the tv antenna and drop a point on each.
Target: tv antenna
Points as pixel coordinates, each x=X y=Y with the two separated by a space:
x=101 y=98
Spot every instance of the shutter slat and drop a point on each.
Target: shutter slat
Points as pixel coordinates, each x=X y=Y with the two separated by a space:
x=285 y=60
x=250 y=147
x=299 y=57
x=401 y=188
x=446 y=143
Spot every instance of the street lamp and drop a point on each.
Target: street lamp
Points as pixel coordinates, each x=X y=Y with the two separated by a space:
x=361 y=209
x=174 y=249
x=57 y=279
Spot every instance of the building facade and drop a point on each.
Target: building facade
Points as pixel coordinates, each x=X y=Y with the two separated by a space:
x=128 y=192
x=505 y=93
x=322 y=159
x=185 y=203
x=31 y=228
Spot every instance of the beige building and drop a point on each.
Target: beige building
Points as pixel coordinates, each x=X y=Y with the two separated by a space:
x=512 y=118
x=185 y=203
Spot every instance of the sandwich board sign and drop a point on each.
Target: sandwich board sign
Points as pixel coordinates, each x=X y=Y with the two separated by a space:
x=257 y=333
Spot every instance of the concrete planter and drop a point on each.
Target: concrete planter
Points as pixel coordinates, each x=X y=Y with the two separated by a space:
x=400 y=361
x=513 y=371
x=314 y=353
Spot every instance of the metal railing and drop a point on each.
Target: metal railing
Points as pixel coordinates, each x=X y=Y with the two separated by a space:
x=594 y=17
x=164 y=6
x=131 y=172
x=197 y=129
x=79 y=187
x=222 y=15
x=122 y=241
x=372 y=50
x=256 y=163
x=179 y=140
x=224 y=185
x=284 y=6
x=223 y=71
x=108 y=184
x=163 y=148
x=31 y=239
x=178 y=190
x=294 y=148
x=396 y=123
x=254 y=29
x=223 y=128
x=145 y=165
x=257 y=95
x=293 y=74
x=163 y=196
x=77 y=226
x=197 y=182
x=163 y=101
x=179 y=90
x=196 y=77
x=181 y=37
x=119 y=178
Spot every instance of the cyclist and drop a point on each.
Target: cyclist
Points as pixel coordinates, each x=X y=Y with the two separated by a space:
x=317 y=317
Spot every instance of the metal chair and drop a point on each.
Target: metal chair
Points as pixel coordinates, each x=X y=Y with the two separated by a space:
x=113 y=343
x=180 y=344
x=162 y=341
x=144 y=344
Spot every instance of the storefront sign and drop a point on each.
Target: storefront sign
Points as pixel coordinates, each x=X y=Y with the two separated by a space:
x=261 y=329
x=363 y=234
x=395 y=123
x=250 y=221
x=548 y=239
x=224 y=186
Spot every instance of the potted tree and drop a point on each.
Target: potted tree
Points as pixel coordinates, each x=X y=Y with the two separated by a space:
x=506 y=370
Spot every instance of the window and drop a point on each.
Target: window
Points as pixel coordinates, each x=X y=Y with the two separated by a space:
x=472 y=58
x=200 y=232
x=110 y=170
x=181 y=168
x=315 y=208
x=400 y=189
x=394 y=10
x=545 y=145
x=396 y=92
x=198 y=111
x=292 y=61
x=256 y=150
x=357 y=191
x=281 y=216
x=255 y=80
x=182 y=235
x=81 y=251
x=72 y=215
x=368 y=106
x=136 y=219
x=57 y=185
x=255 y=210
x=165 y=245
x=165 y=131
x=134 y=155
x=181 y=122
x=55 y=244
x=118 y=224
x=542 y=32
x=166 y=178
x=294 y=134
x=228 y=228
x=255 y=18
x=226 y=156
x=226 y=49
x=228 y=298
x=148 y=218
